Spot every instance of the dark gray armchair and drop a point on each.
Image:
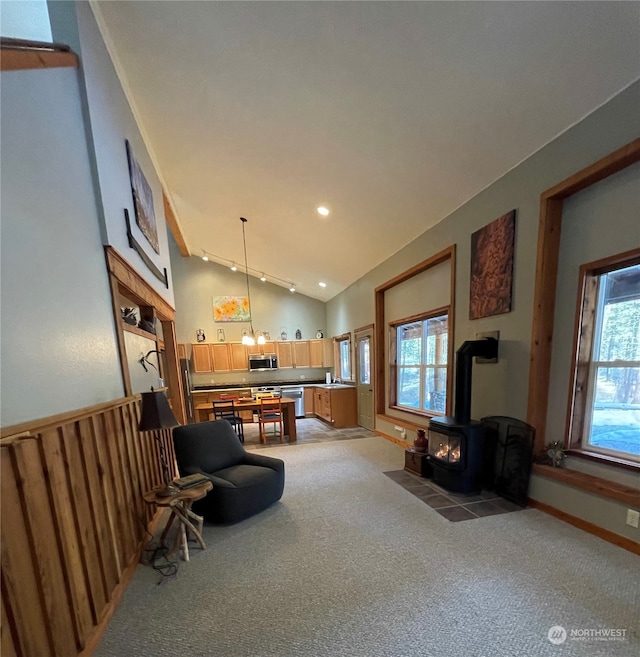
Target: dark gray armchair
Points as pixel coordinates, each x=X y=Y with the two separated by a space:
x=243 y=483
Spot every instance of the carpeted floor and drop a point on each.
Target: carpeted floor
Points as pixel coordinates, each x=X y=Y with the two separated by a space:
x=349 y=564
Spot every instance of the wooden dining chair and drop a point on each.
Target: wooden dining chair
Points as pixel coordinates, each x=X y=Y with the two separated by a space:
x=270 y=413
x=224 y=409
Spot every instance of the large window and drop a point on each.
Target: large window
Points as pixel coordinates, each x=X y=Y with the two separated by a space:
x=421 y=348
x=606 y=391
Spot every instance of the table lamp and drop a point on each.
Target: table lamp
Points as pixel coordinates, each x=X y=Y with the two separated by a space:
x=156 y=414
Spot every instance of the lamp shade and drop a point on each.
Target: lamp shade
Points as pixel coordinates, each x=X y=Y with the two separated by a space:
x=156 y=412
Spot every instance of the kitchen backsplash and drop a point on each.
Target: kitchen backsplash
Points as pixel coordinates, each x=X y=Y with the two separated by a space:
x=288 y=375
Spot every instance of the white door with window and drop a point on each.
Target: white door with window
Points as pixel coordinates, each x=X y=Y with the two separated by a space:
x=364 y=380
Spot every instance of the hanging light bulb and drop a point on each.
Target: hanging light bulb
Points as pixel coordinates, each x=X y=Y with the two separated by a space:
x=247 y=339
x=233 y=267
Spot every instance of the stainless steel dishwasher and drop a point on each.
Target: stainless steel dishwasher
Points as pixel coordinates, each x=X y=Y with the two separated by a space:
x=296 y=393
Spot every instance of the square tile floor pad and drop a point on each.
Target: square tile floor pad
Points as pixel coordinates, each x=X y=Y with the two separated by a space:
x=452 y=506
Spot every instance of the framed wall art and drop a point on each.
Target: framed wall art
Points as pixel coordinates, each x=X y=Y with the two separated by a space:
x=231 y=309
x=142 y=201
x=492 y=249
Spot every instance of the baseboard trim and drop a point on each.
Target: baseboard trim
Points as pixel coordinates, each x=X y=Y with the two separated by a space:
x=605 y=534
x=393 y=439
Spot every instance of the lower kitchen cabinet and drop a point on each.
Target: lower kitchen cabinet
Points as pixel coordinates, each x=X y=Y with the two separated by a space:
x=308 y=401
x=336 y=406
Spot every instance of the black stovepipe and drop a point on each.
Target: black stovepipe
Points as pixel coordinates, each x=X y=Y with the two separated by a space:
x=485 y=348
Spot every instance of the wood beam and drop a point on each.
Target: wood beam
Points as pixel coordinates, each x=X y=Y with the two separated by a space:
x=174 y=227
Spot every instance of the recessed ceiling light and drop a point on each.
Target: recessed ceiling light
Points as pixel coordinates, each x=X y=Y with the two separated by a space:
x=233 y=267
x=322 y=284
x=263 y=278
x=205 y=258
x=292 y=288
x=323 y=211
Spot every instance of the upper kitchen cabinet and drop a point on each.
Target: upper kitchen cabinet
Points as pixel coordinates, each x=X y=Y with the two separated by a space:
x=293 y=354
x=221 y=357
x=182 y=350
x=208 y=357
x=284 y=351
x=201 y=357
x=239 y=356
x=301 y=354
x=262 y=349
x=321 y=352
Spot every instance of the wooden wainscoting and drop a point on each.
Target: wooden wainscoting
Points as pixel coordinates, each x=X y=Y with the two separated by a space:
x=73 y=524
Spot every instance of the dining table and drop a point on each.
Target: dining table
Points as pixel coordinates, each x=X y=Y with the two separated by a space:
x=204 y=409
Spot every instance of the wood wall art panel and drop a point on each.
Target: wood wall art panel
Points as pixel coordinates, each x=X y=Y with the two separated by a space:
x=73 y=524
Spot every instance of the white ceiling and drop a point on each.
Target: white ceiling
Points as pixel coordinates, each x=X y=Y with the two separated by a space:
x=391 y=114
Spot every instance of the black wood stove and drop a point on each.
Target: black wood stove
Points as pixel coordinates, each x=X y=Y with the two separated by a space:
x=456 y=444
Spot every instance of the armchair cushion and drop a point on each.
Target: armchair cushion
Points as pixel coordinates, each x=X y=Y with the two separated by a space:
x=243 y=483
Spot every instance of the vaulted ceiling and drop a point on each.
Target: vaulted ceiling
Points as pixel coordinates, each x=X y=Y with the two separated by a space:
x=390 y=114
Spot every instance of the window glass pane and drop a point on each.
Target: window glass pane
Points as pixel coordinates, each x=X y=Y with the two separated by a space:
x=615 y=419
x=345 y=360
x=436 y=340
x=364 y=375
x=410 y=344
x=620 y=334
x=435 y=389
x=409 y=387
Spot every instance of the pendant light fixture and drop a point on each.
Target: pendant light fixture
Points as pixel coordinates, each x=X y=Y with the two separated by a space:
x=251 y=338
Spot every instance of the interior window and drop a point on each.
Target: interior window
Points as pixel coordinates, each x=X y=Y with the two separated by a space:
x=606 y=394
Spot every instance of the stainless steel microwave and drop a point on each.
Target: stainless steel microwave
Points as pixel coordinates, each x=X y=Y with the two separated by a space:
x=262 y=363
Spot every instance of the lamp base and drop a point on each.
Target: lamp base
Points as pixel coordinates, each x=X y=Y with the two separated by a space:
x=166 y=491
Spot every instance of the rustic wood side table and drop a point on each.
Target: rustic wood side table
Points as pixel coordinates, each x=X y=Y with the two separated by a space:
x=180 y=506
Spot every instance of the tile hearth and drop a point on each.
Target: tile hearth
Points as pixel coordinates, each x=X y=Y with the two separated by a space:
x=452 y=506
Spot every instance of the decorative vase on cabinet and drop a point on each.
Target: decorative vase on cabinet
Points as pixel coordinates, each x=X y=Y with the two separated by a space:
x=420 y=443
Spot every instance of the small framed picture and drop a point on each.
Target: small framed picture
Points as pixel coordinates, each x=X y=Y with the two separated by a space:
x=220 y=335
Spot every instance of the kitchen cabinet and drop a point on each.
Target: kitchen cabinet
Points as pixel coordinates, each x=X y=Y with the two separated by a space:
x=210 y=358
x=321 y=352
x=262 y=349
x=239 y=356
x=327 y=352
x=308 y=401
x=221 y=357
x=301 y=354
x=337 y=406
x=201 y=357
x=284 y=351
x=182 y=350
x=293 y=354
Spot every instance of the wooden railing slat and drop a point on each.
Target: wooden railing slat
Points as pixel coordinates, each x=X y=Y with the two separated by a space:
x=44 y=548
x=68 y=538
